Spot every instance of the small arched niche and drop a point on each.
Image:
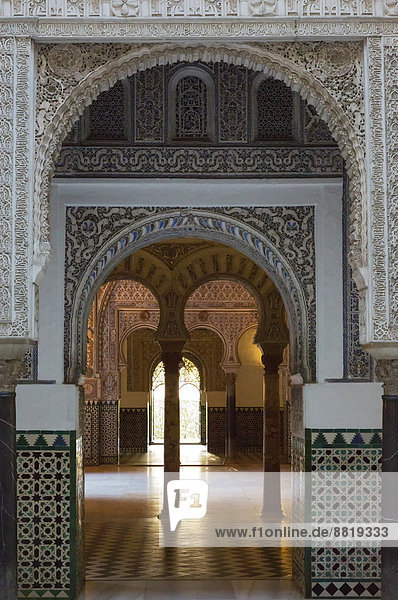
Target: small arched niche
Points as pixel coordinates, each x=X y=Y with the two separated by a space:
x=191 y=105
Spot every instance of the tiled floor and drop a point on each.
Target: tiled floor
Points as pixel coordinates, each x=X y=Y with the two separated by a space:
x=190 y=454
x=124 y=560
x=187 y=590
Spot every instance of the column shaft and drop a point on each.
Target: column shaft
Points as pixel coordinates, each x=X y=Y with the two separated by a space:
x=387 y=372
x=171 y=361
x=271 y=413
x=8 y=502
x=271 y=436
x=230 y=441
x=9 y=371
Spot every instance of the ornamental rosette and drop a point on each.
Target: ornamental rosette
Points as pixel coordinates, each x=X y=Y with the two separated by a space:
x=125 y=8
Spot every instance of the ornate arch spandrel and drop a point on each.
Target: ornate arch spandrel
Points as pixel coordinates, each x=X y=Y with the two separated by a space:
x=328 y=75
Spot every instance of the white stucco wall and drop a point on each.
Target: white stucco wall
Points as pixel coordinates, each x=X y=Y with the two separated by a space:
x=343 y=405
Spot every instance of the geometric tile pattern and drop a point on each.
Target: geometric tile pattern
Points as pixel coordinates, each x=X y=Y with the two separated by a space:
x=133 y=430
x=344 y=572
x=101 y=432
x=91 y=448
x=346 y=459
x=109 y=432
x=216 y=420
x=346 y=589
x=249 y=429
x=342 y=563
x=120 y=551
x=46 y=498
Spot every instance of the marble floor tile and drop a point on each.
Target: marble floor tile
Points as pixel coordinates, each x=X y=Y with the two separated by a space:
x=189 y=590
x=115 y=590
x=266 y=590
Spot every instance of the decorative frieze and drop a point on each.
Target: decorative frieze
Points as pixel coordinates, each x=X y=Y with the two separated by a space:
x=191 y=162
x=195 y=8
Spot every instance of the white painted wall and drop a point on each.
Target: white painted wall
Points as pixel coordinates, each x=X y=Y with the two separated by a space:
x=47 y=406
x=342 y=405
x=324 y=194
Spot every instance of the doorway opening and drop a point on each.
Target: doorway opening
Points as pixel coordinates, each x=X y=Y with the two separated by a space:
x=190 y=416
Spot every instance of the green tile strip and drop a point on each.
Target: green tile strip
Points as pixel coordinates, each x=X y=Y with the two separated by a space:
x=43 y=440
x=344 y=438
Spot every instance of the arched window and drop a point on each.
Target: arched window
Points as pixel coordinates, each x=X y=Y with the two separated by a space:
x=273 y=110
x=189 y=403
x=191 y=106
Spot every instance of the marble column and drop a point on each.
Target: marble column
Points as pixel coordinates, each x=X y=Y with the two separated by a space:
x=387 y=372
x=271 y=360
x=230 y=437
x=172 y=359
x=9 y=371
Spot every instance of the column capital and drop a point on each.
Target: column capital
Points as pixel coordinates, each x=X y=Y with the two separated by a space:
x=272 y=357
x=171 y=352
x=386 y=371
x=11 y=365
x=9 y=373
x=230 y=377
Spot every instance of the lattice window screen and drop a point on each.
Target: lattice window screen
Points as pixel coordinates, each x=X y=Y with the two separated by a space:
x=106 y=117
x=274 y=111
x=191 y=109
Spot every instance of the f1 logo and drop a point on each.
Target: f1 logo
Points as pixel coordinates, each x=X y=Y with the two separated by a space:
x=187 y=499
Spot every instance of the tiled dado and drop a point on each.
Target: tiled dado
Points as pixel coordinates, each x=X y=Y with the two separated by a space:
x=249 y=429
x=133 y=430
x=216 y=424
x=101 y=432
x=343 y=572
x=49 y=514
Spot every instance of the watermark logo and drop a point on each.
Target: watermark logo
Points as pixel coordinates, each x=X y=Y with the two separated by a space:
x=187 y=499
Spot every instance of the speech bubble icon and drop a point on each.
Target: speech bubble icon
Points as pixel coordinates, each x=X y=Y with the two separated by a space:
x=187 y=499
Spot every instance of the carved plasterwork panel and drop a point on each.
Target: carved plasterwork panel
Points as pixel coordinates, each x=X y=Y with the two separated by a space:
x=214 y=324
x=194 y=8
x=215 y=294
x=173 y=253
x=330 y=76
x=133 y=161
x=15 y=89
x=229 y=325
x=391 y=132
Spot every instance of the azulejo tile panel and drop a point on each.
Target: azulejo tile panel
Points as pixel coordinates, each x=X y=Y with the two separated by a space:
x=249 y=429
x=46 y=513
x=133 y=430
x=216 y=429
x=101 y=432
x=345 y=572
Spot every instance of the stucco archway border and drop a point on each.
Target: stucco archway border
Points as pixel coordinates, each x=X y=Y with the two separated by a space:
x=205 y=224
x=342 y=118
